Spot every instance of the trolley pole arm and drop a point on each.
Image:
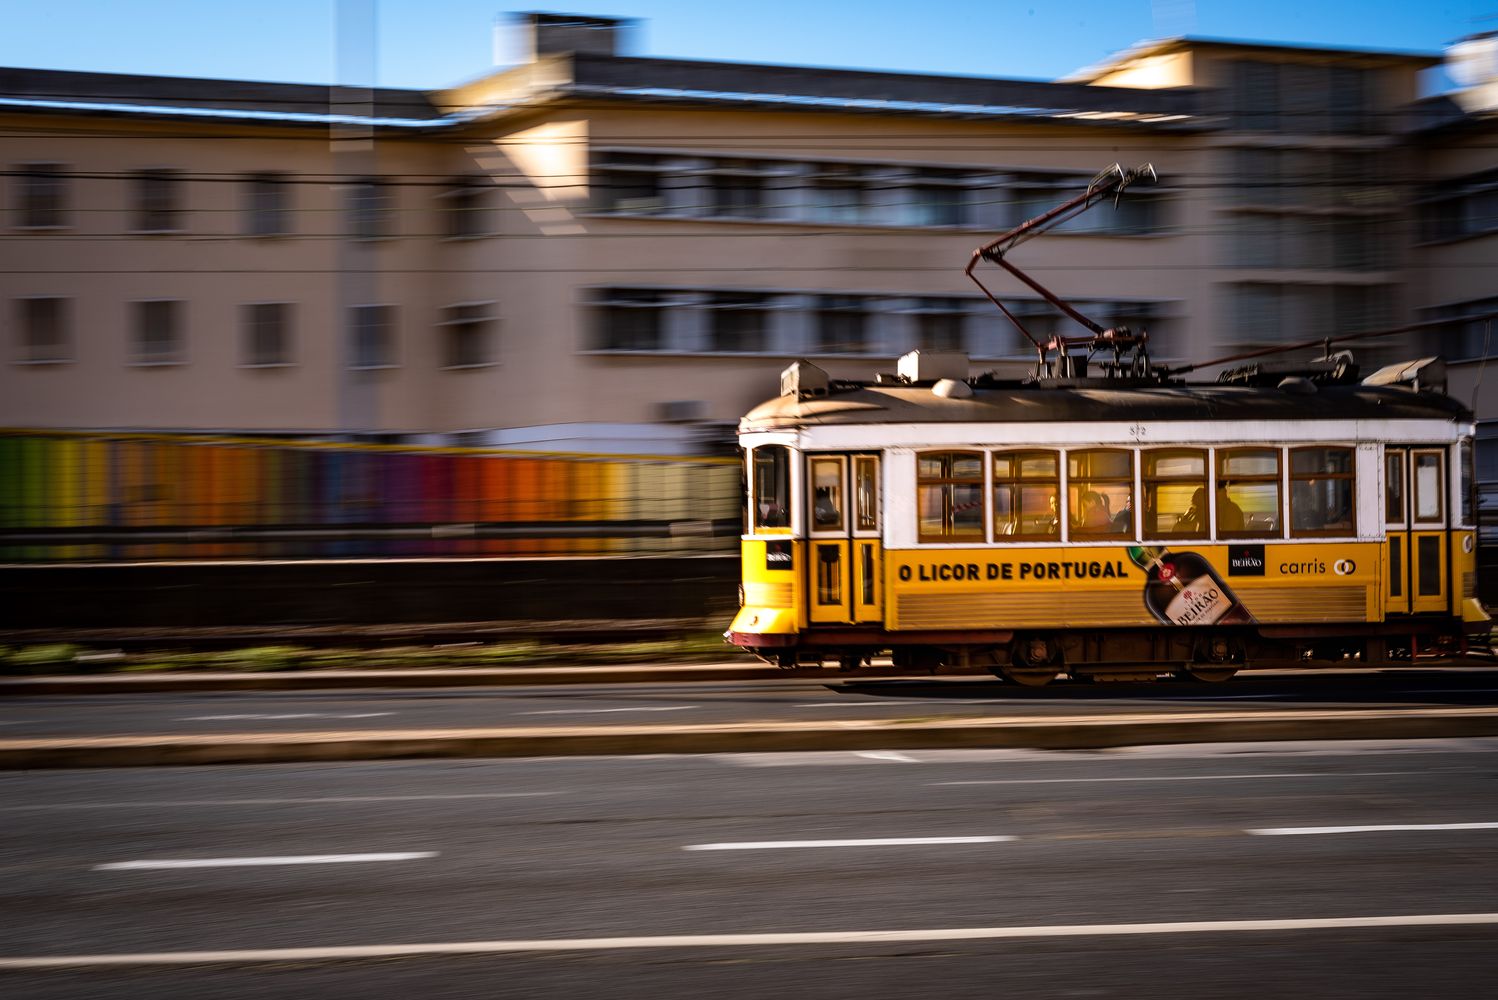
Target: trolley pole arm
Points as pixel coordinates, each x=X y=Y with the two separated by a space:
x=1112 y=181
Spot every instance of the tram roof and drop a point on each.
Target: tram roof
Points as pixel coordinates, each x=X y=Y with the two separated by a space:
x=899 y=404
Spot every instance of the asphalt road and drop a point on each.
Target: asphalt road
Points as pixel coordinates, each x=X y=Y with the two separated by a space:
x=965 y=853
x=798 y=700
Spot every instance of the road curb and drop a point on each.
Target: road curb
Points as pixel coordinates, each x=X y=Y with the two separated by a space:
x=312 y=680
x=1070 y=733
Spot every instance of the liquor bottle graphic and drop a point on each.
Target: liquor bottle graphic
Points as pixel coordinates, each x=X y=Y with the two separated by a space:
x=1184 y=589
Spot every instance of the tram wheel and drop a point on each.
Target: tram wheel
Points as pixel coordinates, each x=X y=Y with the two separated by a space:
x=1218 y=658
x=1034 y=661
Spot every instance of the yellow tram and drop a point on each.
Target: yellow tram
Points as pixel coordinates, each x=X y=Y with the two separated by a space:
x=1106 y=530
x=1108 y=520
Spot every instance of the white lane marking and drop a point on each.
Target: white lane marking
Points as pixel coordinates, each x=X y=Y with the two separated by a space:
x=330 y=800
x=1189 y=777
x=857 y=704
x=749 y=940
x=1223 y=697
x=286 y=715
x=294 y=859
x=1307 y=831
x=770 y=845
x=608 y=711
x=898 y=758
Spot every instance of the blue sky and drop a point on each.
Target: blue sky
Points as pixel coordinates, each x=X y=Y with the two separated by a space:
x=434 y=43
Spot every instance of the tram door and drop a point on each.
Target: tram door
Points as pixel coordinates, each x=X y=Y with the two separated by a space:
x=1415 y=518
x=844 y=556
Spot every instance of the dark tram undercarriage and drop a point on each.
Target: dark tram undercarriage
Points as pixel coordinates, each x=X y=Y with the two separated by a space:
x=1037 y=656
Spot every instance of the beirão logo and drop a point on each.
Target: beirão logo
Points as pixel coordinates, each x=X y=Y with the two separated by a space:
x=1344 y=567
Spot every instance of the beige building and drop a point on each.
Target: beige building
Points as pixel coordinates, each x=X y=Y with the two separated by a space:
x=600 y=252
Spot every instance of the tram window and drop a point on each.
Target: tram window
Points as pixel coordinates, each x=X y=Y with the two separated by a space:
x=1394 y=487
x=866 y=493
x=1249 y=480
x=1321 y=491
x=1100 y=492
x=1175 y=494
x=1428 y=491
x=772 y=486
x=949 y=496
x=1026 y=494
x=827 y=494
x=1466 y=470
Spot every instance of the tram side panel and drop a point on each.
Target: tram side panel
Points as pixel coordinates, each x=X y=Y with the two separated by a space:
x=1104 y=587
x=774 y=598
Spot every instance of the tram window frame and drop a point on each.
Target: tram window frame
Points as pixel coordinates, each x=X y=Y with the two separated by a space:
x=1298 y=478
x=1017 y=482
x=780 y=503
x=1438 y=493
x=1079 y=485
x=1396 y=491
x=947 y=482
x=1224 y=481
x=826 y=514
x=866 y=502
x=1153 y=479
x=1466 y=476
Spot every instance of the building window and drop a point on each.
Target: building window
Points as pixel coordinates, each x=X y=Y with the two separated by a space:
x=628 y=183
x=838 y=193
x=1256 y=96
x=369 y=206
x=267 y=212
x=1265 y=313
x=41 y=196
x=267 y=334
x=1026 y=495
x=939 y=324
x=158 y=332
x=1100 y=488
x=738 y=322
x=935 y=198
x=630 y=319
x=949 y=496
x=43 y=326
x=1031 y=194
x=1321 y=492
x=1461 y=207
x=1175 y=494
x=465 y=208
x=842 y=324
x=736 y=189
x=467 y=335
x=1459 y=337
x=372 y=331
x=1301 y=98
x=1039 y=318
x=157 y=201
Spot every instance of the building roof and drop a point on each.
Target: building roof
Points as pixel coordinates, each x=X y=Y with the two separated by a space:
x=800 y=87
x=593 y=76
x=68 y=92
x=1166 y=46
